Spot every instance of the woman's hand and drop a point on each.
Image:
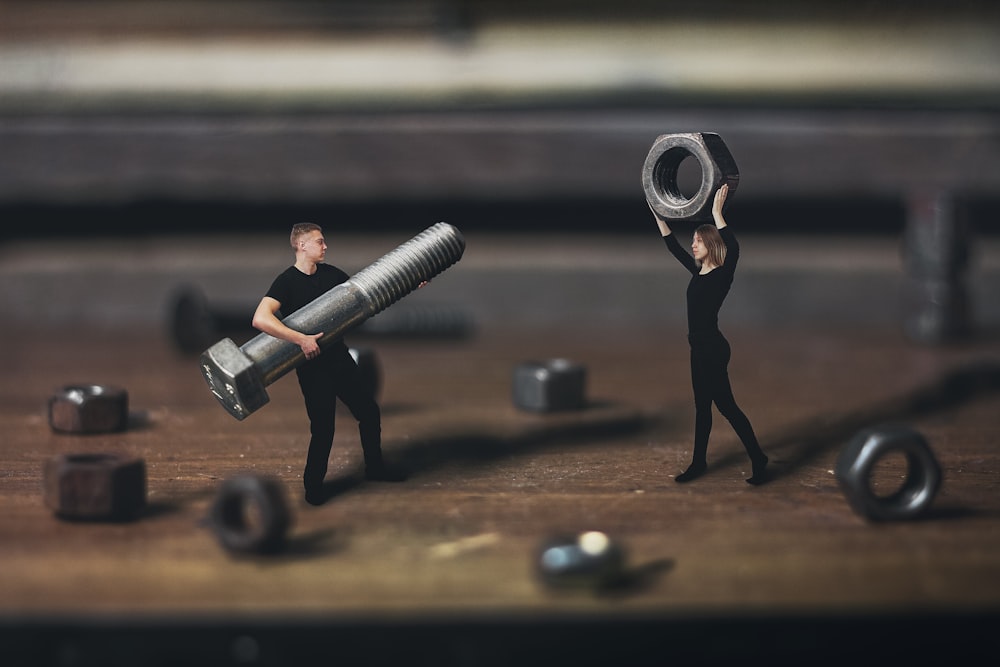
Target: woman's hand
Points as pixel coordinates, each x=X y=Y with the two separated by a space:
x=718 y=203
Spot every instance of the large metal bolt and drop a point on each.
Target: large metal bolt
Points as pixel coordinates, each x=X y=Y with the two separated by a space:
x=194 y=322
x=238 y=375
x=936 y=255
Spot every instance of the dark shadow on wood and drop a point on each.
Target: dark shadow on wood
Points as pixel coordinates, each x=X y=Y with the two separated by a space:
x=476 y=448
x=800 y=444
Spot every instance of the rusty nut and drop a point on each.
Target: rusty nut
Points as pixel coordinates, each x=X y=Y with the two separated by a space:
x=548 y=386
x=250 y=515
x=88 y=408
x=95 y=486
x=659 y=174
x=857 y=461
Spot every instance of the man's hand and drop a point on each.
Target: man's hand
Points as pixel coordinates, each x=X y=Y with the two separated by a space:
x=310 y=345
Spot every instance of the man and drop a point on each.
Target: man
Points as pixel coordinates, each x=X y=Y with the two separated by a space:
x=327 y=374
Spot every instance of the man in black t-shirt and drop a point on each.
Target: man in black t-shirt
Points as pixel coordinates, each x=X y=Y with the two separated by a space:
x=328 y=373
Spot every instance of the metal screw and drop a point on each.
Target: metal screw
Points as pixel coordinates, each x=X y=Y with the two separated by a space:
x=238 y=375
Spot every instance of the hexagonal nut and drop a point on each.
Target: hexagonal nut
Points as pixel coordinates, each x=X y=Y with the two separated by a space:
x=659 y=174
x=250 y=515
x=88 y=408
x=95 y=486
x=858 y=459
x=548 y=386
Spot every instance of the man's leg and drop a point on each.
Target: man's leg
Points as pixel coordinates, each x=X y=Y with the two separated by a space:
x=320 y=399
x=362 y=404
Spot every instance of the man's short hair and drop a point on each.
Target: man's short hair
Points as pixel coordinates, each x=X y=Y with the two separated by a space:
x=301 y=228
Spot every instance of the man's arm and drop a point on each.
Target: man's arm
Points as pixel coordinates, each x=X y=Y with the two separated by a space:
x=266 y=320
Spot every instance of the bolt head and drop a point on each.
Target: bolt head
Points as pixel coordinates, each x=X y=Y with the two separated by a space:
x=233 y=379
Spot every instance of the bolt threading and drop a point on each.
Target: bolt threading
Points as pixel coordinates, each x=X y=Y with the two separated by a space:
x=396 y=274
x=238 y=376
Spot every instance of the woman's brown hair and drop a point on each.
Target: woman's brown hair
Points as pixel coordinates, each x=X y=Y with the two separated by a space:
x=713 y=244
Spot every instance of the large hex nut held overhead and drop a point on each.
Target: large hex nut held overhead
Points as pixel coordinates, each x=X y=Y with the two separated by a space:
x=237 y=376
x=659 y=174
x=858 y=459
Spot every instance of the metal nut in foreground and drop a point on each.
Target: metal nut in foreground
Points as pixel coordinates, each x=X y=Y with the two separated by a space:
x=250 y=515
x=659 y=174
x=88 y=408
x=588 y=560
x=547 y=386
x=95 y=486
x=858 y=459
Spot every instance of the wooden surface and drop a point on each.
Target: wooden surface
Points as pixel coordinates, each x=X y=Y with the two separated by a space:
x=444 y=562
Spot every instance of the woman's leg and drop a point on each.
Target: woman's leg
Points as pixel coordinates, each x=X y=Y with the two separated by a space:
x=701 y=383
x=726 y=402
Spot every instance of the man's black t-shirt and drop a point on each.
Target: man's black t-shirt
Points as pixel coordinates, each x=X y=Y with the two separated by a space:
x=294 y=289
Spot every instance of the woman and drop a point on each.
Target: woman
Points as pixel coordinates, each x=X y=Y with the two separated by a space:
x=716 y=253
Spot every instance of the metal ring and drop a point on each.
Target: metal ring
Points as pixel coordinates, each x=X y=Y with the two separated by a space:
x=660 y=170
x=858 y=459
x=250 y=515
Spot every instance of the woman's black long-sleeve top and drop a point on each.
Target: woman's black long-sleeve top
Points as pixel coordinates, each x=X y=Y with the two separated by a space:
x=706 y=292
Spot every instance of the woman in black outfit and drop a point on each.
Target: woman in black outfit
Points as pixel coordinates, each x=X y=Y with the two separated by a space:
x=716 y=253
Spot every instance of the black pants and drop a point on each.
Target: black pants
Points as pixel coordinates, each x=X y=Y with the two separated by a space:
x=710 y=381
x=332 y=375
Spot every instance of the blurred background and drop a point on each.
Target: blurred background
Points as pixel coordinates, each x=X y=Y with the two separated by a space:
x=126 y=116
x=138 y=118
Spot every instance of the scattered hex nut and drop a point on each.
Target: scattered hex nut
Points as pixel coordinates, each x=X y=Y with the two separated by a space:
x=250 y=515
x=589 y=560
x=857 y=461
x=548 y=386
x=659 y=174
x=95 y=486
x=88 y=408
